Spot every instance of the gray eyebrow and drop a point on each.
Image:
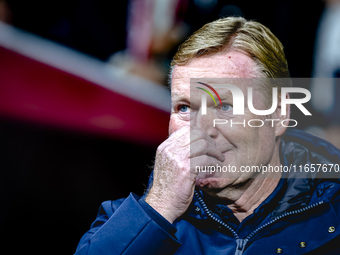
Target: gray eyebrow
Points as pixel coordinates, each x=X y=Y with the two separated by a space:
x=176 y=97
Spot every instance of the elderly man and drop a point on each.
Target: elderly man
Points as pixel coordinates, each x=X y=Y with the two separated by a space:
x=186 y=211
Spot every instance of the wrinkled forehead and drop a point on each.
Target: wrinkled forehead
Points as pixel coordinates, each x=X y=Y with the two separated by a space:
x=217 y=66
x=223 y=86
x=229 y=89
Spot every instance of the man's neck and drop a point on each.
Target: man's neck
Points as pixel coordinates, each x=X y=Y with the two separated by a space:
x=244 y=198
x=259 y=189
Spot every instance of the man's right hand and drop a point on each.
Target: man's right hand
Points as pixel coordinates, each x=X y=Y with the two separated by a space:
x=173 y=178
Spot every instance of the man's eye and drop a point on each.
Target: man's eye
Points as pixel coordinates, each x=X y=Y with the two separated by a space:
x=226 y=107
x=183 y=108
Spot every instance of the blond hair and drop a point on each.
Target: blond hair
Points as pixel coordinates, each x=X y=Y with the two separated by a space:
x=237 y=34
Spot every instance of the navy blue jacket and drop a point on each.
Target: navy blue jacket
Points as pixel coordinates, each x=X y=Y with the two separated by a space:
x=301 y=216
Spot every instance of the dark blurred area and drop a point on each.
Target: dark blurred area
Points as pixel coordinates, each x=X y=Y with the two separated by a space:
x=99 y=28
x=52 y=183
x=53 y=180
x=93 y=27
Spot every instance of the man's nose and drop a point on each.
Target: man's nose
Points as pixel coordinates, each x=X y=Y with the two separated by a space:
x=205 y=122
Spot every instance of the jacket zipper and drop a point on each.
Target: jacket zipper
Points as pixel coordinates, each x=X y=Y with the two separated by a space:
x=241 y=243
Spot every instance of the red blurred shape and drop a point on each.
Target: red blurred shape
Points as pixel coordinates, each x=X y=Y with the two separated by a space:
x=33 y=91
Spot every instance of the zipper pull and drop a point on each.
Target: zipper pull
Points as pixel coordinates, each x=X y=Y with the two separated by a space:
x=240 y=245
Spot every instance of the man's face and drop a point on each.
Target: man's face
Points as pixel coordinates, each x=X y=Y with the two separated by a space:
x=241 y=146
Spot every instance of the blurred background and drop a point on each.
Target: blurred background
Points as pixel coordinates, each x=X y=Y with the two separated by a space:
x=84 y=99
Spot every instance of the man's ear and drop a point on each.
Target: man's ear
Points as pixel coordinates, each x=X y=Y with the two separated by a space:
x=279 y=128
